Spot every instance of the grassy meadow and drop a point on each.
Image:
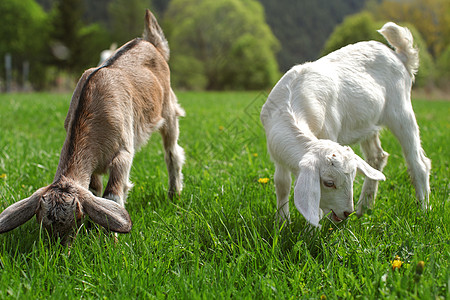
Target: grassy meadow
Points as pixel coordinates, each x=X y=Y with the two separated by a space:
x=220 y=238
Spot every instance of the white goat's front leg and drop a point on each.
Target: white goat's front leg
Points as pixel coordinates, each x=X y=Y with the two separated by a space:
x=405 y=128
x=283 y=180
x=377 y=158
x=174 y=155
x=118 y=183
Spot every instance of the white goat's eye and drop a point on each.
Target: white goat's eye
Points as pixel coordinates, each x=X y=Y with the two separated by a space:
x=329 y=183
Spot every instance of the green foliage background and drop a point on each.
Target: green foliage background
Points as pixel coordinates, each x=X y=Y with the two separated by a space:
x=24 y=34
x=226 y=44
x=362 y=27
x=303 y=26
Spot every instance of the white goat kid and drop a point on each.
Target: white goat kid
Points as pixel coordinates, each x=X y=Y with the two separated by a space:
x=114 y=110
x=341 y=99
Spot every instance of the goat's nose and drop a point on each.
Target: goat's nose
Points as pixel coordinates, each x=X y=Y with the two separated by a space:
x=346 y=214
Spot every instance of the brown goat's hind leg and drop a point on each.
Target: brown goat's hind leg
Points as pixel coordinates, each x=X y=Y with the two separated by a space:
x=174 y=155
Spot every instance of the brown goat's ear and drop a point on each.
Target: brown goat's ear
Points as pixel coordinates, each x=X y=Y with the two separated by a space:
x=19 y=212
x=106 y=213
x=154 y=34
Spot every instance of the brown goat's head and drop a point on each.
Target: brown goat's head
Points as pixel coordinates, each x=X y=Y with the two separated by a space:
x=60 y=208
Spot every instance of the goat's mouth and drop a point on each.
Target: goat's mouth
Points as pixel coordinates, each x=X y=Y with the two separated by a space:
x=335 y=217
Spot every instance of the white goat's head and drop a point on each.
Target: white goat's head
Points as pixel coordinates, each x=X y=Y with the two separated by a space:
x=60 y=208
x=325 y=181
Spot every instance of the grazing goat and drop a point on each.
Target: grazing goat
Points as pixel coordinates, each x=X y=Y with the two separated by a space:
x=341 y=99
x=114 y=110
x=105 y=54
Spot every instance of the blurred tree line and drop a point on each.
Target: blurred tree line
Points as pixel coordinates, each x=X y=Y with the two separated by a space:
x=428 y=21
x=215 y=44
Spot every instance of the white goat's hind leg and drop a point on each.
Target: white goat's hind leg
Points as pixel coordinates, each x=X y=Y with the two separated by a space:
x=406 y=130
x=118 y=182
x=174 y=155
x=377 y=158
x=283 y=180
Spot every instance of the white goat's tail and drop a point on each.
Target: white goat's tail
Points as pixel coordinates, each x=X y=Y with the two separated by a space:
x=401 y=39
x=154 y=34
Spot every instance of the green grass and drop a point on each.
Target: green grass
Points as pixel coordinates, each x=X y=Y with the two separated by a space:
x=220 y=239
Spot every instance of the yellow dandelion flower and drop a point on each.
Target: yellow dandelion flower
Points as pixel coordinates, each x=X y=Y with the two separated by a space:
x=263 y=180
x=3 y=176
x=255 y=154
x=221 y=127
x=396 y=263
x=323 y=297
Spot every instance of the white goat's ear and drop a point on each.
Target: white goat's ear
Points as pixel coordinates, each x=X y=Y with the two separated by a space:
x=106 y=213
x=364 y=168
x=307 y=191
x=20 y=212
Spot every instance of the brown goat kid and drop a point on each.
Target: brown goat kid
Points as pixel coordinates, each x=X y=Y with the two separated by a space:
x=114 y=110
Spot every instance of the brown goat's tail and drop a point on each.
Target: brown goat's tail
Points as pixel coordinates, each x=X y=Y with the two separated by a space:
x=154 y=34
x=401 y=39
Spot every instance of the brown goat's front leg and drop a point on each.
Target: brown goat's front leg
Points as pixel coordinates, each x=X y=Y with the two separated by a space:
x=96 y=185
x=118 y=183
